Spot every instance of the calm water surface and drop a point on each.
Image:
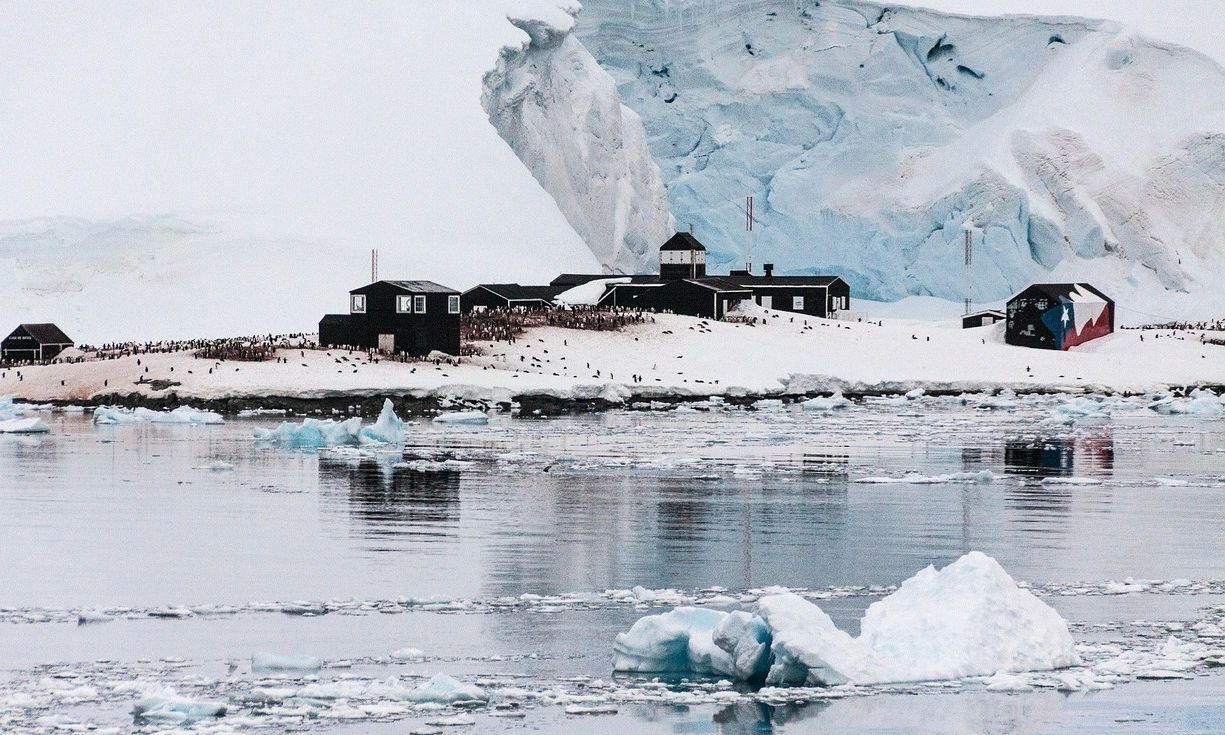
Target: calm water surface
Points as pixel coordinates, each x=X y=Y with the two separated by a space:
x=138 y=517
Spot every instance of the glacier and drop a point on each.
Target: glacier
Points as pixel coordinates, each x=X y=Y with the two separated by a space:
x=873 y=137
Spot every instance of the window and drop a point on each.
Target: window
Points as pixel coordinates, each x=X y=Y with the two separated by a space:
x=404 y=304
x=701 y=257
x=419 y=304
x=357 y=303
x=797 y=303
x=452 y=304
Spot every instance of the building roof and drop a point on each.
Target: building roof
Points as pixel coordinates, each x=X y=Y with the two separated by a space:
x=515 y=292
x=985 y=312
x=793 y=281
x=409 y=287
x=682 y=241
x=569 y=280
x=719 y=284
x=335 y=318
x=47 y=334
x=1063 y=290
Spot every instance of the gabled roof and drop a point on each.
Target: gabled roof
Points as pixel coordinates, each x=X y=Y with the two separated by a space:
x=569 y=280
x=1063 y=290
x=47 y=334
x=985 y=312
x=415 y=287
x=722 y=285
x=795 y=281
x=682 y=241
x=515 y=292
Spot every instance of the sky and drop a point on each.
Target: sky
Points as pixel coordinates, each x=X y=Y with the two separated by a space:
x=1199 y=24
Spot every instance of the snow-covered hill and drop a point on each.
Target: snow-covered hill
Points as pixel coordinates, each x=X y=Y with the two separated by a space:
x=870 y=135
x=180 y=170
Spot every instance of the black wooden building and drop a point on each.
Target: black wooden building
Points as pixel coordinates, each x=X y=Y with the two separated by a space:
x=411 y=317
x=34 y=342
x=1058 y=316
x=508 y=296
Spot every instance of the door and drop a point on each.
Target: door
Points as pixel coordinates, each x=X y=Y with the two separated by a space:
x=387 y=343
x=767 y=302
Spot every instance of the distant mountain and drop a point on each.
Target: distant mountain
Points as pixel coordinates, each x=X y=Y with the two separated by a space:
x=872 y=135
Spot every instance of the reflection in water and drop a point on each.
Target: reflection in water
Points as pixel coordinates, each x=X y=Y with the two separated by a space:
x=1060 y=456
x=390 y=499
x=759 y=718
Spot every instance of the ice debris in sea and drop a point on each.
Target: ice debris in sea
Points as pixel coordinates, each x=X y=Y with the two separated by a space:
x=28 y=425
x=273 y=662
x=167 y=706
x=968 y=619
x=462 y=417
x=826 y=403
x=1200 y=402
x=107 y=415
x=319 y=433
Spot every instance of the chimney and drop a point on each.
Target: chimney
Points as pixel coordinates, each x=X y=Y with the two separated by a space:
x=769 y=267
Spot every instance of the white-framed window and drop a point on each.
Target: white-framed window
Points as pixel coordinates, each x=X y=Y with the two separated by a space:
x=357 y=303
x=452 y=304
x=404 y=304
x=797 y=303
x=419 y=304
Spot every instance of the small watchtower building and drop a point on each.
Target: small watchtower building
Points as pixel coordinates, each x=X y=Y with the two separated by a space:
x=682 y=256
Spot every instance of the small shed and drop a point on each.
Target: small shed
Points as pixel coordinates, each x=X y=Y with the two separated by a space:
x=34 y=343
x=411 y=317
x=1058 y=316
x=984 y=318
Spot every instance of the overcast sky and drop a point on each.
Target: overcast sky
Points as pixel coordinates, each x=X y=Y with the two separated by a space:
x=1199 y=24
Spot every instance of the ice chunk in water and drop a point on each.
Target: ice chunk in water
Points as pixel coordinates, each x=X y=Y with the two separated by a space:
x=273 y=662
x=824 y=403
x=462 y=417
x=320 y=433
x=444 y=689
x=167 y=706
x=968 y=619
x=30 y=425
x=108 y=415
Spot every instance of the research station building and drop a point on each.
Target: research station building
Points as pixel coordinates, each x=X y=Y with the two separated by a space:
x=1058 y=316
x=34 y=343
x=409 y=317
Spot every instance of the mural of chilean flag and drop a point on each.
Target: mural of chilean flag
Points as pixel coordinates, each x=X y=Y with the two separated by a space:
x=1058 y=316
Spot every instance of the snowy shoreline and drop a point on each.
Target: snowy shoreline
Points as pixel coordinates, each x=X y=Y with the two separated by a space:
x=670 y=359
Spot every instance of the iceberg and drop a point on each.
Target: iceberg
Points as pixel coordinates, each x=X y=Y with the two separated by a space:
x=969 y=619
x=320 y=433
x=8 y=410
x=168 y=706
x=30 y=425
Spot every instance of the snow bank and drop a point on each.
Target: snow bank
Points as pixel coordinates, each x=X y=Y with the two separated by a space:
x=586 y=294
x=31 y=425
x=167 y=706
x=968 y=619
x=320 y=433
x=106 y=415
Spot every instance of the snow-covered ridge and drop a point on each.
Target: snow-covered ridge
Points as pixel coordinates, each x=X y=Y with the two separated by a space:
x=560 y=113
x=870 y=134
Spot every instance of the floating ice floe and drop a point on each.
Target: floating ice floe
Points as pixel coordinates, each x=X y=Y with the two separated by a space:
x=273 y=662
x=443 y=689
x=319 y=433
x=108 y=415
x=9 y=410
x=826 y=403
x=407 y=654
x=462 y=417
x=217 y=466
x=29 y=425
x=168 y=706
x=968 y=619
